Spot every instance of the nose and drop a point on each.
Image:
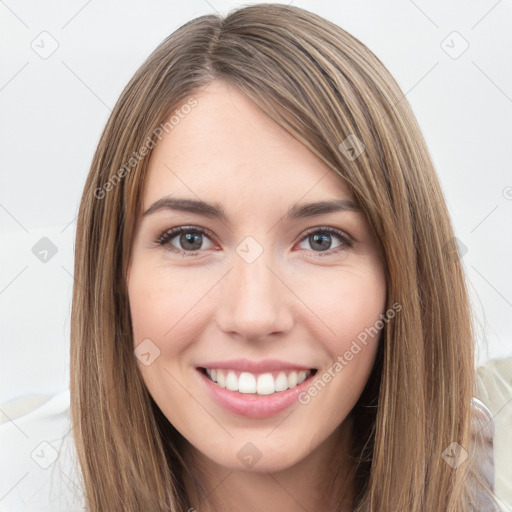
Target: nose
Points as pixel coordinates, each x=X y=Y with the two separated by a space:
x=254 y=301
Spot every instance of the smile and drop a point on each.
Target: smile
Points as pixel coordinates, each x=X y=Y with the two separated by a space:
x=260 y=384
x=255 y=389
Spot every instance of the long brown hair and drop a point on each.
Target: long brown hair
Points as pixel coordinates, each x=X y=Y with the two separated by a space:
x=322 y=85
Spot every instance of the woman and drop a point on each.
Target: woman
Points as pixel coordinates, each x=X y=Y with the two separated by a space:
x=262 y=227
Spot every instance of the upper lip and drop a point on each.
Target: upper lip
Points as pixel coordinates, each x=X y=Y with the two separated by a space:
x=246 y=365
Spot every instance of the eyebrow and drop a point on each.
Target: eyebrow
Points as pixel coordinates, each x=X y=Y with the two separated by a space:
x=216 y=211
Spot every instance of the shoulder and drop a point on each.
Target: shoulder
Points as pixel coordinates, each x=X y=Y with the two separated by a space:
x=38 y=464
x=481 y=457
x=492 y=418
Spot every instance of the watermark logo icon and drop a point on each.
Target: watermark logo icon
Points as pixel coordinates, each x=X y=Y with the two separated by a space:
x=146 y=352
x=454 y=455
x=249 y=249
x=249 y=454
x=44 y=455
x=44 y=250
x=454 y=45
x=455 y=248
x=45 y=45
x=352 y=147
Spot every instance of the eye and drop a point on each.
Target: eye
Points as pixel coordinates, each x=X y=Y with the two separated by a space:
x=190 y=240
x=185 y=239
x=320 y=240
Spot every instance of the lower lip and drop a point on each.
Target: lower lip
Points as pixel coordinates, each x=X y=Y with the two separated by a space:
x=252 y=405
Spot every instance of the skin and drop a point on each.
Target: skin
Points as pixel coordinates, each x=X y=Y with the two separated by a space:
x=290 y=303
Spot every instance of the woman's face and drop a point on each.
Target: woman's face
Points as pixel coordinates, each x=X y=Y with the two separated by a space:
x=251 y=288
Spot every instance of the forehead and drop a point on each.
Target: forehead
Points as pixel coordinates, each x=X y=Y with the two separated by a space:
x=226 y=148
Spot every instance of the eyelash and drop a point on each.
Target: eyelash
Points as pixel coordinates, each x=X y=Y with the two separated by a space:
x=166 y=237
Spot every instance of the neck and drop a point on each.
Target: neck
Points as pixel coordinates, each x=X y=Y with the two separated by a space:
x=320 y=481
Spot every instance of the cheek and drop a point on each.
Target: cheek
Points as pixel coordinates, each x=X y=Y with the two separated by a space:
x=350 y=310
x=164 y=308
x=347 y=305
x=162 y=312
x=348 y=322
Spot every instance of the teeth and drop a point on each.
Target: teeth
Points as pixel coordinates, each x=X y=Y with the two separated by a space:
x=221 y=380
x=246 y=383
x=263 y=384
x=231 y=382
x=266 y=384
x=292 y=380
x=282 y=382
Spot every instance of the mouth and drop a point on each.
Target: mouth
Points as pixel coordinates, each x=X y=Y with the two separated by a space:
x=257 y=384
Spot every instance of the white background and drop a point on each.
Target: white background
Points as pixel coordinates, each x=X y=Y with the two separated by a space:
x=54 y=110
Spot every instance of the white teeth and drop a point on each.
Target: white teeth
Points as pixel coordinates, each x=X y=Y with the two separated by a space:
x=247 y=383
x=221 y=381
x=292 y=379
x=263 y=384
x=282 y=382
x=231 y=382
